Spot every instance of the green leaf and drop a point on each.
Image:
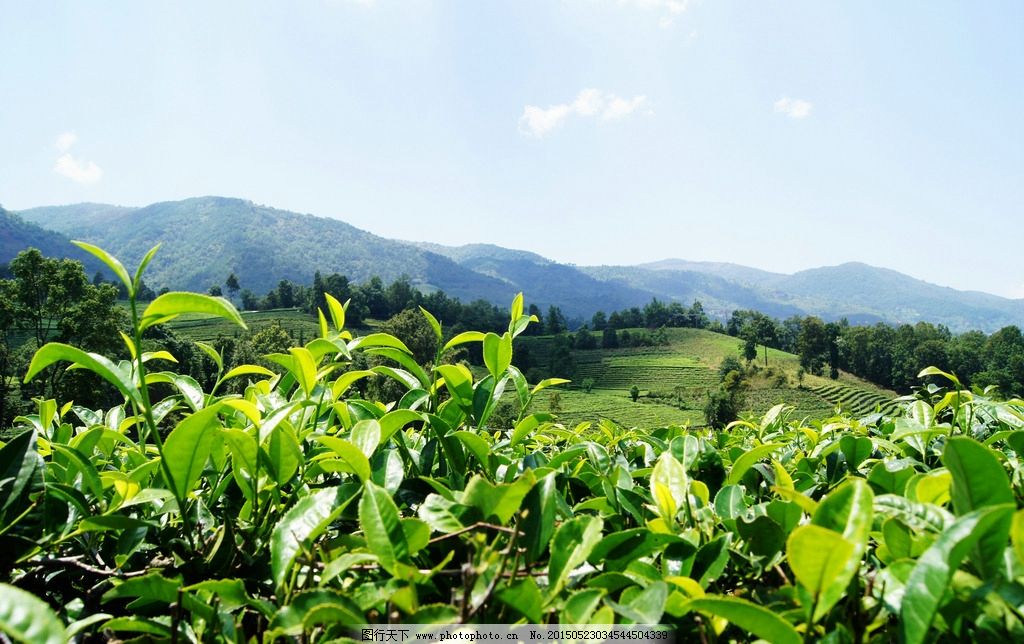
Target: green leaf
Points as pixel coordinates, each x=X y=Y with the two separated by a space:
x=379 y=519
x=138 y=625
x=432 y=321
x=18 y=462
x=499 y=501
x=463 y=338
x=459 y=381
x=366 y=436
x=548 y=382
x=581 y=606
x=187 y=448
x=440 y=513
x=570 y=547
x=646 y=607
x=300 y=526
x=170 y=305
x=152 y=587
x=406 y=360
x=978 y=478
x=669 y=486
x=379 y=340
x=28 y=619
x=747 y=460
x=312 y=608
x=113 y=263
x=1017 y=534
x=933 y=573
x=55 y=352
x=849 y=511
x=539 y=524
x=284 y=453
x=979 y=481
x=497 y=353
x=749 y=617
x=525 y=599
x=527 y=425
x=935 y=371
x=337 y=311
x=349 y=453
x=855 y=449
x=819 y=558
x=247 y=370
x=480 y=448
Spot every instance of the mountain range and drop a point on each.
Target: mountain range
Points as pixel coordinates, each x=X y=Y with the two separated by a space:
x=206 y=238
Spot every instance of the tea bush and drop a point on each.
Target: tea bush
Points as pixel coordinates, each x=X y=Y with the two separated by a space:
x=297 y=508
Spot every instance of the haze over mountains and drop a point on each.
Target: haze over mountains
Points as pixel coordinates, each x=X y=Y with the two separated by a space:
x=206 y=238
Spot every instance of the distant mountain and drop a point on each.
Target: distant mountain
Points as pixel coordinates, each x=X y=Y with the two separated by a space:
x=205 y=239
x=575 y=291
x=732 y=272
x=66 y=219
x=719 y=295
x=16 y=235
x=855 y=289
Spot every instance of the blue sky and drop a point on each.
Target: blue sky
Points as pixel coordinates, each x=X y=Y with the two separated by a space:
x=782 y=135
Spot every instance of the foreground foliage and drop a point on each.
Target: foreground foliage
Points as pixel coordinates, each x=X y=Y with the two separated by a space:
x=299 y=507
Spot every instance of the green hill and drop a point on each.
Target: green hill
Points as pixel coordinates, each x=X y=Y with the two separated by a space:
x=675 y=380
x=207 y=238
x=16 y=235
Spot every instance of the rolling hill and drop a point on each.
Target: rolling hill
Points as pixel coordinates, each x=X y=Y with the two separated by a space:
x=204 y=239
x=17 y=234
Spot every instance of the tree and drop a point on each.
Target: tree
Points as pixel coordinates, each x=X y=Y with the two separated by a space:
x=584 y=340
x=609 y=338
x=749 y=350
x=556 y=321
x=215 y=290
x=412 y=328
x=401 y=295
x=249 y=300
x=232 y=283
x=52 y=300
x=599 y=321
x=634 y=392
x=764 y=333
x=813 y=345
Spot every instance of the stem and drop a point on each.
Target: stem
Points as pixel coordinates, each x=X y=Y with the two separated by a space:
x=147 y=411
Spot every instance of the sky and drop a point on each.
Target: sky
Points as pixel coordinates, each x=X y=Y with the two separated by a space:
x=781 y=135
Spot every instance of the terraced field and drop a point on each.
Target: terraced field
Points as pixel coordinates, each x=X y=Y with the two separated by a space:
x=855 y=400
x=661 y=374
x=577 y=407
x=807 y=403
x=299 y=324
x=675 y=380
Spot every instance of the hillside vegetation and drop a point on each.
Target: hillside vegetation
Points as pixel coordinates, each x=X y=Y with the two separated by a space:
x=676 y=378
x=264 y=245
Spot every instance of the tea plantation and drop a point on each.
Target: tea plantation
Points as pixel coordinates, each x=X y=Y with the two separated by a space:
x=300 y=507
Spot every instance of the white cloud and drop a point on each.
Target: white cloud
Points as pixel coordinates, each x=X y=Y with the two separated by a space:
x=538 y=121
x=78 y=170
x=794 y=108
x=617 y=107
x=65 y=141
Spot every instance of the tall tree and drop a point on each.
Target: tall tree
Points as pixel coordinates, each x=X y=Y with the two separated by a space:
x=233 y=286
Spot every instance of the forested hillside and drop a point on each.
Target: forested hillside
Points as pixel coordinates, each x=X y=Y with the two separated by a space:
x=208 y=238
